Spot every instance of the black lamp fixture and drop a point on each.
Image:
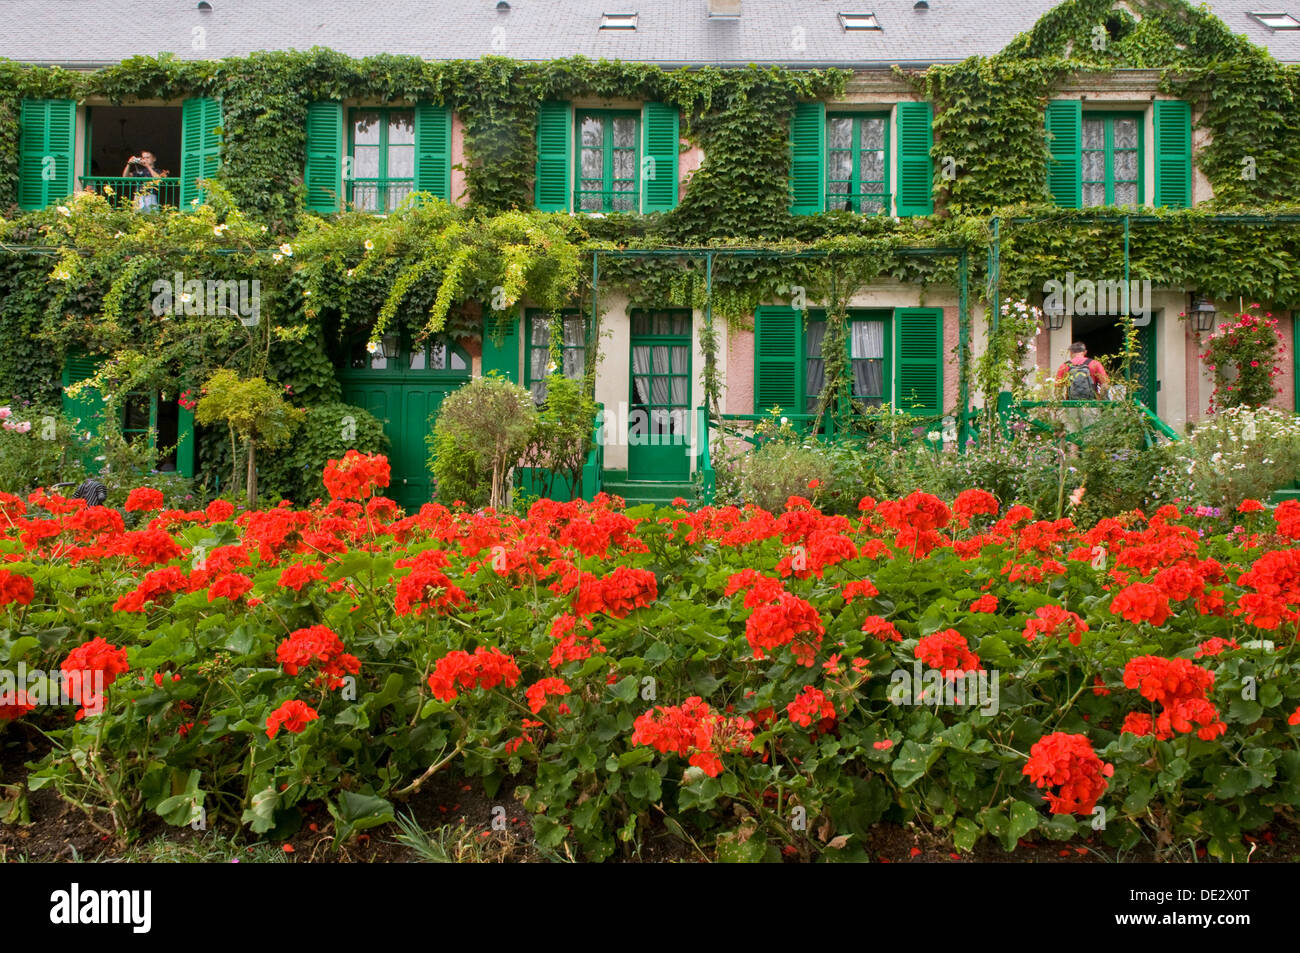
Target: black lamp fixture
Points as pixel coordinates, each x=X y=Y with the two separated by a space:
x=1203 y=312
x=389 y=346
x=1055 y=317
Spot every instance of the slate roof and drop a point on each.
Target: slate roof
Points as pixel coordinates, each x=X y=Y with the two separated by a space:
x=86 y=33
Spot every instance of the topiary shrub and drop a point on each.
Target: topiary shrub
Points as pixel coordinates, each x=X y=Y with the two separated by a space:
x=491 y=420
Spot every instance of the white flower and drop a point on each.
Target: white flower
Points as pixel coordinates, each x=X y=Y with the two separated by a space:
x=369 y=245
x=263 y=228
x=286 y=250
x=277 y=257
x=349 y=272
x=934 y=436
x=219 y=229
x=186 y=297
x=306 y=293
x=372 y=346
x=550 y=368
x=64 y=211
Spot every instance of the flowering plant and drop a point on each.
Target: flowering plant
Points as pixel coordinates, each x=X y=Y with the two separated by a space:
x=1243 y=356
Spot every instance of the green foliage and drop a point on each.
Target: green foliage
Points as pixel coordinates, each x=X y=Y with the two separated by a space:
x=326 y=432
x=456 y=471
x=563 y=437
x=493 y=419
x=45 y=447
x=1243 y=356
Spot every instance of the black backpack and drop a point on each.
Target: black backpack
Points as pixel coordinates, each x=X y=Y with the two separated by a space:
x=1080 y=382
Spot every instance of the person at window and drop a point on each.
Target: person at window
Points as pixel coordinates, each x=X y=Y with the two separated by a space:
x=143 y=166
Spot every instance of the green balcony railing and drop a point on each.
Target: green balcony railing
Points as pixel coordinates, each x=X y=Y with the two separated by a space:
x=378 y=195
x=606 y=200
x=140 y=193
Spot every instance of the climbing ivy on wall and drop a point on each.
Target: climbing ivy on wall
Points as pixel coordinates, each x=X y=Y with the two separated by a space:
x=424 y=264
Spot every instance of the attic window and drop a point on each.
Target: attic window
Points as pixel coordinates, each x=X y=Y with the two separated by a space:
x=618 y=21
x=1277 y=20
x=859 y=21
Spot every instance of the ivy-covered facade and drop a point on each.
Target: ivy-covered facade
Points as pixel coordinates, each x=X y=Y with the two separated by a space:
x=412 y=222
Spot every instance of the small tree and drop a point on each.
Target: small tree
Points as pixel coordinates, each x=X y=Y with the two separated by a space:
x=254 y=410
x=563 y=437
x=495 y=420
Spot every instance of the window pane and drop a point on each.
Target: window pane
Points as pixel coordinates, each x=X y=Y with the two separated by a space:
x=625 y=132
x=365 y=162
x=438 y=356
x=873 y=167
x=1094 y=134
x=1126 y=166
x=679 y=360
x=458 y=362
x=1094 y=195
x=839 y=133
x=401 y=127
x=1094 y=166
x=1126 y=133
x=401 y=162
x=365 y=127
x=418 y=359
x=593 y=132
x=575 y=330
x=624 y=197
x=813 y=341
x=624 y=164
x=541 y=332
x=640 y=323
x=840 y=165
x=593 y=167
x=1126 y=193
x=873 y=134
x=867 y=340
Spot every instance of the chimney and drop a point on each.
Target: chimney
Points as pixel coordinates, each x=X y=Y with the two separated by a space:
x=723 y=9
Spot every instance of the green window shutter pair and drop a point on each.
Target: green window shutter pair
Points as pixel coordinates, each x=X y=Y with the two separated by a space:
x=47 y=136
x=915 y=167
x=200 y=147
x=918 y=361
x=660 y=150
x=503 y=357
x=323 y=174
x=1173 y=153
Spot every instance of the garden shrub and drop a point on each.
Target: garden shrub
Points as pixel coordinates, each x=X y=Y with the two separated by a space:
x=326 y=431
x=456 y=472
x=491 y=418
x=39 y=446
x=1237 y=454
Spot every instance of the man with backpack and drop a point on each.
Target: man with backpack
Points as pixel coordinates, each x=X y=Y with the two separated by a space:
x=1082 y=379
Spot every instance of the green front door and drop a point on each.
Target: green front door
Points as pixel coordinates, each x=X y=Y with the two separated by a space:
x=659 y=416
x=405 y=393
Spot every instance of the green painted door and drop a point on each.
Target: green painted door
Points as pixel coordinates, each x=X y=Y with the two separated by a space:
x=405 y=393
x=659 y=416
x=1142 y=372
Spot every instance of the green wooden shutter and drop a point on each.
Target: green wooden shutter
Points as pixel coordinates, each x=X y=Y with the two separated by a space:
x=88 y=406
x=46 y=136
x=659 y=177
x=919 y=360
x=1173 y=122
x=200 y=146
x=808 y=159
x=778 y=356
x=1065 y=145
x=554 y=131
x=503 y=357
x=323 y=174
x=185 y=443
x=915 y=167
x=433 y=150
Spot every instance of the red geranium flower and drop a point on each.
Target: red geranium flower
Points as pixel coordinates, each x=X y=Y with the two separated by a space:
x=1068 y=763
x=293 y=716
x=144 y=499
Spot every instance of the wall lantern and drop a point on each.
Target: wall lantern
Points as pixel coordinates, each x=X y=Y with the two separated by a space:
x=1203 y=312
x=389 y=346
x=1055 y=318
